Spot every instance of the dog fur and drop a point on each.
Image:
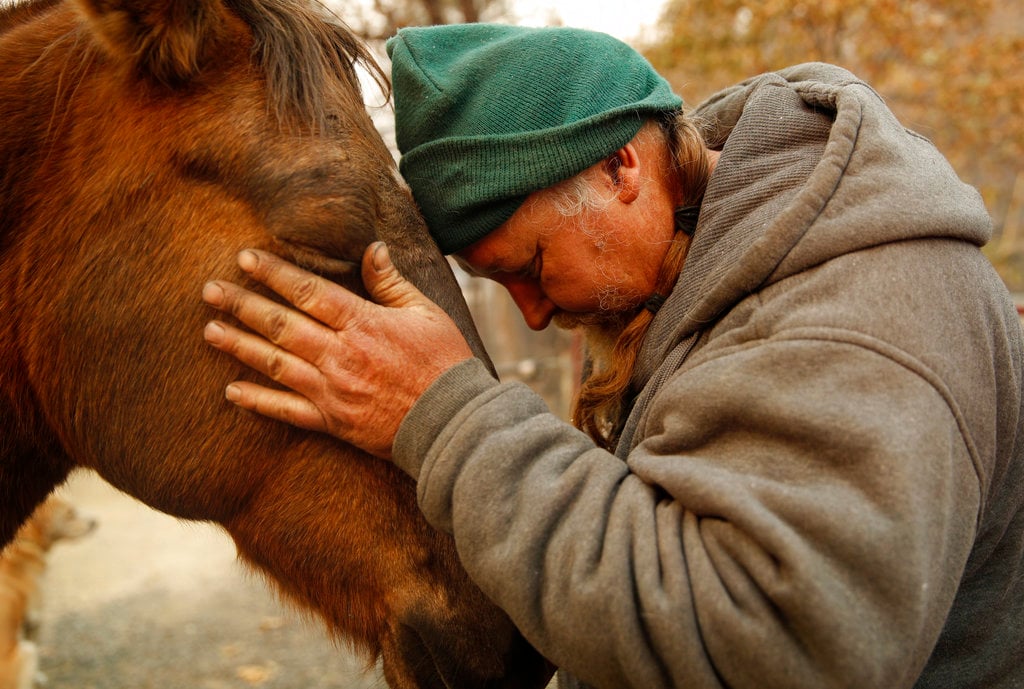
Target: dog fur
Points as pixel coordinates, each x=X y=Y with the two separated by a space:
x=22 y=564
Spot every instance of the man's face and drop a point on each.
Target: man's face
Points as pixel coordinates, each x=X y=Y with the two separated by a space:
x=587 y=270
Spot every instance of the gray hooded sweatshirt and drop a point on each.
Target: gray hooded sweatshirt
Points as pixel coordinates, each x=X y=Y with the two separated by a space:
x=821 y=479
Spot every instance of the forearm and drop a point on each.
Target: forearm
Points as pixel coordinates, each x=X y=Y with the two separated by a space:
x=532 y=502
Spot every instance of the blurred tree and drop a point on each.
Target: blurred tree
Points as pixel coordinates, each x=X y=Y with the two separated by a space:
x=952 y=70
x=380 y=19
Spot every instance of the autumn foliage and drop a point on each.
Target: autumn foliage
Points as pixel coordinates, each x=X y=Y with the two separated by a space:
x=952 y=70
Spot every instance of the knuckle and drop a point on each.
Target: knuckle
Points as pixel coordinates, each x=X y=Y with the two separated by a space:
x=230 y=344
x=276 y=325
x=306 y=293
x=234 y=303
x=391 y=282
x=275 y=365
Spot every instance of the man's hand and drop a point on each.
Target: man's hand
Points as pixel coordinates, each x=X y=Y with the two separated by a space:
x=356 y=367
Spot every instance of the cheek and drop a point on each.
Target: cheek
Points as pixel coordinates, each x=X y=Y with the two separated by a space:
x=582 y=274
x=584 y=288
x=633 y=267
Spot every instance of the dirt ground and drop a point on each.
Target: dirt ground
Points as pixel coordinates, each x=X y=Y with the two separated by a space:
x=147 y=601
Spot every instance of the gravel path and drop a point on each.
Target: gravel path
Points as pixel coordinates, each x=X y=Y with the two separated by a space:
x=150 y=602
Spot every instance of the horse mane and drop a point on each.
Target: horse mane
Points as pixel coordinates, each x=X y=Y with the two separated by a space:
x=301 y=47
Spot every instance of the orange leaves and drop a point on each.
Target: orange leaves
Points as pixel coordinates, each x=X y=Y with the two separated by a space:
x=952 y=70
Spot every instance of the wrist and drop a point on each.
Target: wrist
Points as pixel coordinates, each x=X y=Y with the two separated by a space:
x=435 y=408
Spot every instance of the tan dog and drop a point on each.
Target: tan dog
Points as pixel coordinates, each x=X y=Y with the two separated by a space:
x=22 y=564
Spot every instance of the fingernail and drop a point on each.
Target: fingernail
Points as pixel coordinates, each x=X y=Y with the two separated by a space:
x=213 y=293
x=247 y=260
x=380 y=256
x=213 y=332
x=233 y=393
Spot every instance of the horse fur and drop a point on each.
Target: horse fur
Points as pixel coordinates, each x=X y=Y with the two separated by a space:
x=143 y=145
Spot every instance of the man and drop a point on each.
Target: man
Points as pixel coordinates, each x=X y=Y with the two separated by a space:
x=804 y=460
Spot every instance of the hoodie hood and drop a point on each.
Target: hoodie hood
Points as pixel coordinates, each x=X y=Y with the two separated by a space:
x=813 y=166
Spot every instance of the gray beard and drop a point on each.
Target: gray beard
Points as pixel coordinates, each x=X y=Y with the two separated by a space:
x=600 y=331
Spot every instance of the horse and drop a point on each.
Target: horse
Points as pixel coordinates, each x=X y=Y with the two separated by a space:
x=143 y=144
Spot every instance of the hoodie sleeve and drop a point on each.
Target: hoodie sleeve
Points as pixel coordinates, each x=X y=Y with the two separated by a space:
x=760 y=535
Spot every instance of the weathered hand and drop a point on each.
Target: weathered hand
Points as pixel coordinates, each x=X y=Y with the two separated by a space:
x=356 y=367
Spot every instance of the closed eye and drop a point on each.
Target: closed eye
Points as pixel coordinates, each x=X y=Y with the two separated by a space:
x=532 y=270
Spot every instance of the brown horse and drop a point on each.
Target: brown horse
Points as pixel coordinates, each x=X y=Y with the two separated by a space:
x=143 y=143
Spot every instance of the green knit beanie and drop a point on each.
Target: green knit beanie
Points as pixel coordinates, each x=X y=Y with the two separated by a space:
x=486 y=114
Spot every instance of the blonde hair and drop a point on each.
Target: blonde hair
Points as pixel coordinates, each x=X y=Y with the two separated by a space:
x=599 y=408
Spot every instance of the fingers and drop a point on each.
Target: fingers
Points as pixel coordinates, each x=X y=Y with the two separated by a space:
x=270 y=360
x=283 y=326
x=322 y=299
x=277 y=404
x=329 y=357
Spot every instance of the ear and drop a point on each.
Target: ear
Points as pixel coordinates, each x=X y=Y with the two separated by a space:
x=623 y=173
x=167 y=40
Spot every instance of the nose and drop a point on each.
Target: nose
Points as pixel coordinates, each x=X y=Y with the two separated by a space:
x=534 y=304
